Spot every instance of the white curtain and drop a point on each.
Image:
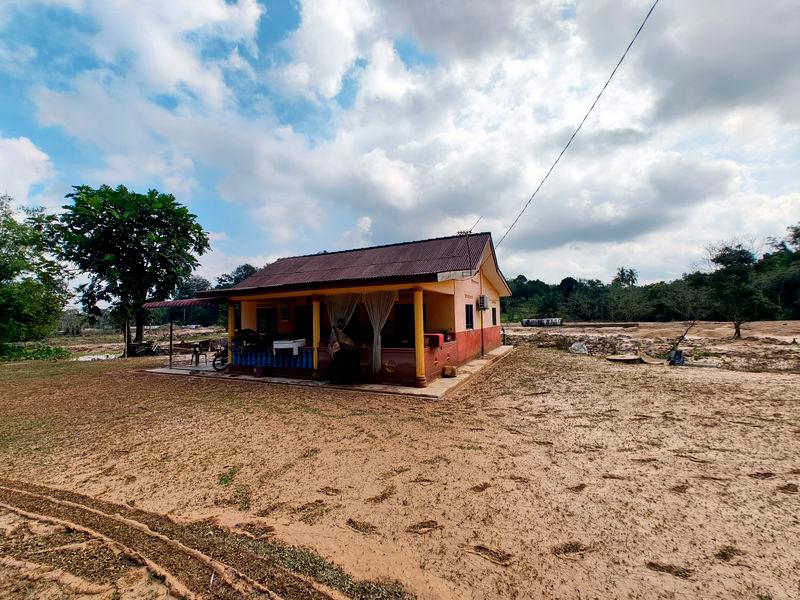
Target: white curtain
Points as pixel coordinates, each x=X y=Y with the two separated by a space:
x=379 y=305
x=340 y=308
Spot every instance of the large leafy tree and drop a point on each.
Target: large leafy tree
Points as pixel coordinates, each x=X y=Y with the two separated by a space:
x=32 y=285
x=133 y=247
x=734 y=293
x=239 y=274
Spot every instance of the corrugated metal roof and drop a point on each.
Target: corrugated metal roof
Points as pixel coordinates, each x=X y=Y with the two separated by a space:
x=184 y=303
x=407 y=259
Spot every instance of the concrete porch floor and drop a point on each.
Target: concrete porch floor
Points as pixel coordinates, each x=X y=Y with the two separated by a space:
x=435 y=389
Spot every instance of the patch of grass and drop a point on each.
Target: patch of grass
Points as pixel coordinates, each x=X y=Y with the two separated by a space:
x=468 y=446
x=306 y=562
x=569 y=548
x=9 y=352
x=274 y=474
x=358 y=412
x=226 y=477
x=310 y=453
x=311 y=512
x=727 y=552
x=21 y=435
x=395 y=471
x=680 y=572
x=156 y=578
x=243 y=496
x=384 y=495
x=361 y=526
x=436 y=459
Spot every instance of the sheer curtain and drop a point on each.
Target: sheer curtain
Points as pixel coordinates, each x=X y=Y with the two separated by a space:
x=379 y=305
x=340 y=309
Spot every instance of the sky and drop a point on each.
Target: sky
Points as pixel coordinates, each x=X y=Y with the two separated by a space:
x=296 y=126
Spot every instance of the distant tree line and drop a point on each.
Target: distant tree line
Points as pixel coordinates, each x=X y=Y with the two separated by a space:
x=739 y=286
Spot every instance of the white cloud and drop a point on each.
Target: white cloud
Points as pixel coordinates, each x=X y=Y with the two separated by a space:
x=23 y=166
x=357 y=237
x=684 y=148
x=163 y=41
x=325 y=46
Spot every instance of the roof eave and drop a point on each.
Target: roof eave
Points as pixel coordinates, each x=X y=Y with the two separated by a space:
x=320 y=286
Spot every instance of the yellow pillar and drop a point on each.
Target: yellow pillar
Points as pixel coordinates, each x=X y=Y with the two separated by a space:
x=315 y=331
x=419 y=339
x=231 y=327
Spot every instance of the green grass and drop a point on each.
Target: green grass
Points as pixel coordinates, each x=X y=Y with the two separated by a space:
x=22 y=435
x=226 y=477
x=242 y=496
x=306 y=562
x=9 y=352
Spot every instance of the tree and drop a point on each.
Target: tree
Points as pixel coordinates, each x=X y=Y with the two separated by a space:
x=133 y=246
x=32 y=285
x=238 y=275
x=734 y=293
x=204 y=315
x=190 y=287
x=626 y=277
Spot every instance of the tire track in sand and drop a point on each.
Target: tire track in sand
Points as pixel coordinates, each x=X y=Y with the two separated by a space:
x=186 y=570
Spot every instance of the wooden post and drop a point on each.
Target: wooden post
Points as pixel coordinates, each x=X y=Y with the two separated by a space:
x=419 y=340
x=315 y=326
x=231 y=331
x=170 y=338
x=125 y=337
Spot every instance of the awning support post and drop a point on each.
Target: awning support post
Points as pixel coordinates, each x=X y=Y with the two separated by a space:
x=231 y=330
x=419 y=340
x=315 y=327
x=170 y=338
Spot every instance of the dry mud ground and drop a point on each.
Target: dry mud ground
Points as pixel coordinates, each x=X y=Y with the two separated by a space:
x=765 y=345
x=549 y=476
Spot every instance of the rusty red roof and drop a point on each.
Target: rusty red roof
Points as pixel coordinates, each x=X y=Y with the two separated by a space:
x=183 y=303
x=420 y=260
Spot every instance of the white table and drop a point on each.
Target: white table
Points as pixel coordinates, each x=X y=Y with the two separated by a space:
x=293 y=345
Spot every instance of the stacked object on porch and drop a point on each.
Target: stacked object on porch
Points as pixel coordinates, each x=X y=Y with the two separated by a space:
x=247 y=357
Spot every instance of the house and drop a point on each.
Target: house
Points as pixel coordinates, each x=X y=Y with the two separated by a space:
x=434 y=303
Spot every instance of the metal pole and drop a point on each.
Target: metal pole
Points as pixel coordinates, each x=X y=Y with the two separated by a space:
x=170 y=338
x=125 y=338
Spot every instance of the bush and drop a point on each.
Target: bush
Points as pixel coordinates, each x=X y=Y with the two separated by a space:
x=9 y=352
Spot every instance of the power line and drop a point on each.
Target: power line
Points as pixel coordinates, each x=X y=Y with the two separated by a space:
x=586 y=116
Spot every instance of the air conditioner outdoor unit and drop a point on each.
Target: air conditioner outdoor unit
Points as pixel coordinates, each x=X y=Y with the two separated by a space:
x=483 y=302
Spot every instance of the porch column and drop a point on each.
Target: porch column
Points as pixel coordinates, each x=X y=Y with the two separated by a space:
x=315 y=332
x=231 y=330
x=419 y=340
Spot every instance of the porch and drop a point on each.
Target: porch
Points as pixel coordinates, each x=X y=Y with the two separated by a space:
x=293 y=335
x=434 y=390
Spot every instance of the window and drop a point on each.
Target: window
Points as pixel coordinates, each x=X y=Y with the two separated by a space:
x=267 y=320
x=494 y=315
x=470 y=316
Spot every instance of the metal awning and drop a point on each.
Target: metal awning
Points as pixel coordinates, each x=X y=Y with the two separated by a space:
x=184 y=303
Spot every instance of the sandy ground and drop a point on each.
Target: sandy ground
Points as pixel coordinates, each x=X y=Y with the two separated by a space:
x=765 y=345
x=550 y=476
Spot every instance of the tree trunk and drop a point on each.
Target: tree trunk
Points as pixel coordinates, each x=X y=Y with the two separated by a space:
x=737 y=326
x=139 y=326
